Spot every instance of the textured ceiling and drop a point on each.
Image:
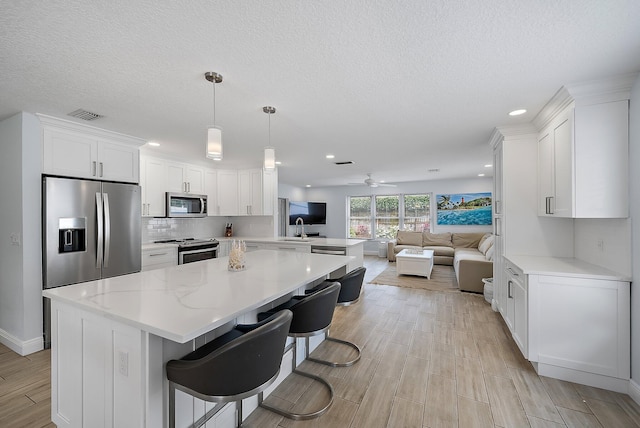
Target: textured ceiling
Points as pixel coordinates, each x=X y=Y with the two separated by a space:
x=399 y=87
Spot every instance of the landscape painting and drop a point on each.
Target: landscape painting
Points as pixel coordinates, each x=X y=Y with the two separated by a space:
x=464 y=209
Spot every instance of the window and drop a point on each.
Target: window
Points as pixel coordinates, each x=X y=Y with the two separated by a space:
x=416 y=213
x=360 y=217
x=381 y=216
x=387 y=216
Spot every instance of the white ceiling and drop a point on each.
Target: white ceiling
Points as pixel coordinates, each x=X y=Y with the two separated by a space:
x=399 y=87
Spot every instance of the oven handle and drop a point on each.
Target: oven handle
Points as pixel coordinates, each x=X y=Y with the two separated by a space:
x=199 y=250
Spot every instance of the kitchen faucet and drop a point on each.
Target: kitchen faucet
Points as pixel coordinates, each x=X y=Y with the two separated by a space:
x=302 y=234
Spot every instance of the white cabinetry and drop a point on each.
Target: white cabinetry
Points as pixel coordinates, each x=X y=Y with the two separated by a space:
x=227 y=192
x=211 y=190
x=74 y=150
x=153 y=180
x=184 y=178
x=250 y=192
x=516 y=306
x=156 y=258
x=583 y=162
x=571 y=320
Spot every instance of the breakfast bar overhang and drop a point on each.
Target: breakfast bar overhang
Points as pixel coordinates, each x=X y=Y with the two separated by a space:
x=111 y=338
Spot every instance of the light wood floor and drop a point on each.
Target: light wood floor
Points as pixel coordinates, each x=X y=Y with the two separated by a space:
x=437 y=359
x=429 y=359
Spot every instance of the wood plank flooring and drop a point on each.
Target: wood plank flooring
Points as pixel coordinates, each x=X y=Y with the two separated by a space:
x=429 y=359
x=438 y=359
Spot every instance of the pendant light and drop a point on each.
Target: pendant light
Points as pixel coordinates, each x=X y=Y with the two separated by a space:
x=269 y=151
x=214 y=134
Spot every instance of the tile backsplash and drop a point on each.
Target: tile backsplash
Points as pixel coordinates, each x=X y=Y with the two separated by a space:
x=156 y=229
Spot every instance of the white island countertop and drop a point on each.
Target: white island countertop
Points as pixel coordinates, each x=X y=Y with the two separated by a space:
x=564 y=266
x=329 y=242
x=183 y=302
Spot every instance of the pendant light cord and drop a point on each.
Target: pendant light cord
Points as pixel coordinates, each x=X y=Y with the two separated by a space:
x=213 y=82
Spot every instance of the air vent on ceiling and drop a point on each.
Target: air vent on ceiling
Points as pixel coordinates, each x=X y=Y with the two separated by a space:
x=434 y=170
x=345 y=163
x=85 y=115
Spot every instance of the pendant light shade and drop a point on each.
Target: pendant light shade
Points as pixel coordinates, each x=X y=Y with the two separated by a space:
x=269 y=152
x=214 y=134
x=269 y=158
x=214 y=143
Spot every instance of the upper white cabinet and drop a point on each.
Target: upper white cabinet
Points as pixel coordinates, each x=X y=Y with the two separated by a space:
x=211 y=190
x=250 y=192
x=583 y=157
x=184 y=178
x=153 y=180
x=74 y=150
x=227 y=192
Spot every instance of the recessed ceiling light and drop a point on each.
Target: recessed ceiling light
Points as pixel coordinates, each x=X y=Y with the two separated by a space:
x=278 y=163
x=330 y=156
x=517 y=112
x=308 y=185
x=480 y=175
x=153 y=143
x=488 y=165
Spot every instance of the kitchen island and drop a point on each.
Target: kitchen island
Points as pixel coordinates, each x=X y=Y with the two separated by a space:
x=111 y=338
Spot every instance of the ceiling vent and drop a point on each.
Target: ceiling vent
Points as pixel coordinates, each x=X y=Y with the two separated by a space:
x=345 y=163
x=85 y=115
x=434 y=170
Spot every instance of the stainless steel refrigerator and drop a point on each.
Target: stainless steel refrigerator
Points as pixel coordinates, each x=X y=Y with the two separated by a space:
x=91 y=230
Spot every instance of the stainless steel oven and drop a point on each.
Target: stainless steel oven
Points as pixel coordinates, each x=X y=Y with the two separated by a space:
x=197 y=250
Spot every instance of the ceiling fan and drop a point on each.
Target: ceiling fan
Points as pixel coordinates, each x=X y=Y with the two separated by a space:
x=372 y=183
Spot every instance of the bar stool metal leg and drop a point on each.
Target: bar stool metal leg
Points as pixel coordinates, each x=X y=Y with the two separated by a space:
x=336 y=363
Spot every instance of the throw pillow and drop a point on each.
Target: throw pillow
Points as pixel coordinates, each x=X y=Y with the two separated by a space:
x=485 y=243
x=489 y=254
x=409 y=238
x=436 y=239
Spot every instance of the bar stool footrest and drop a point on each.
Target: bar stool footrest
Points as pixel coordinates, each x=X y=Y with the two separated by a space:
x=303 y=416
x=335 y=363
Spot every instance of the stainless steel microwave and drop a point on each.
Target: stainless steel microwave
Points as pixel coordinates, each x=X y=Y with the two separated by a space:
x=186 y=205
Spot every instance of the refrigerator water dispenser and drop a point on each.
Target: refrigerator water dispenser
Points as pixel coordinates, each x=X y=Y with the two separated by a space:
x=72 y=235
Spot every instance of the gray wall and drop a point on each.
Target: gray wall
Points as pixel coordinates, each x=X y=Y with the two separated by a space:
x=20 y=262
x=634 y=163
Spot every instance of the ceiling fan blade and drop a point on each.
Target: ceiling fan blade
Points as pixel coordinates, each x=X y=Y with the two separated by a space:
x=386 y=185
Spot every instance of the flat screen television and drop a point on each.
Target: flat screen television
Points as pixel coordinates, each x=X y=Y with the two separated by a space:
x=310 y=212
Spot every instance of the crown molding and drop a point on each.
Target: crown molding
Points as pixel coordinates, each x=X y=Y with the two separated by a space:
x=89 y=129
x=512 y=132
x=586 y=93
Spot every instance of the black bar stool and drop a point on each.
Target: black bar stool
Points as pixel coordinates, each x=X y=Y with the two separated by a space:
x=312 y=316
x=350 y=288
x=236 y=365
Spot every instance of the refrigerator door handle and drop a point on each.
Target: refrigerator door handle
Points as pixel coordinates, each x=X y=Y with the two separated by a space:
x=99 y=241
x=107 y=230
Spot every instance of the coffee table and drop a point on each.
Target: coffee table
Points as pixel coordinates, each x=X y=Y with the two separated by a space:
x=410 y=262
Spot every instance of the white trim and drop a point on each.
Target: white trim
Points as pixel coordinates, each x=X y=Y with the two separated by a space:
x=21 y=347
x=634 y=391
x=577 y=376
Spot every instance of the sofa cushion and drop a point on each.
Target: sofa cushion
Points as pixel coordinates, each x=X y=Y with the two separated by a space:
x=485 y=243
x=409 y=238
x=436 y=239
x=440 y=250
x=466 y=240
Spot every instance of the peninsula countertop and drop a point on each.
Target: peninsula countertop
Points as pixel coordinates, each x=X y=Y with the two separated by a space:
x=182 y=302
x=564 y=266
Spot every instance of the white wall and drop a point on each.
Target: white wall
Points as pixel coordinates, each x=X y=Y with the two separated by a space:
x=616 y=243
x=337 y=211
x=634 y=162
x=20 y=262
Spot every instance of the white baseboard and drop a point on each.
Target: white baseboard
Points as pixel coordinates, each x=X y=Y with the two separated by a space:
x=21 y=347
x=634 y=391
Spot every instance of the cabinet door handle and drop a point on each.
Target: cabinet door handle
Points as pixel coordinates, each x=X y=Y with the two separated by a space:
x=101 y=169
x=497 y=207
x=509 y=289
x=549 y=199
x=93 y=168
x=513 y=272
x=158 y=254
x=188 y=186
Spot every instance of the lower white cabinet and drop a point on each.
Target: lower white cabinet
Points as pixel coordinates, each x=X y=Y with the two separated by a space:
x=572 y=321
x=516 y=312
x=159 y=258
